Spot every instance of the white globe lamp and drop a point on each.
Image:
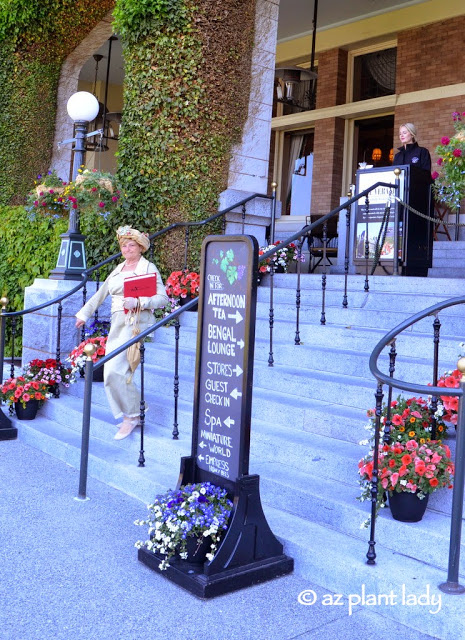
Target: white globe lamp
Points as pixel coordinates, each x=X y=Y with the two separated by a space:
x=82 y=107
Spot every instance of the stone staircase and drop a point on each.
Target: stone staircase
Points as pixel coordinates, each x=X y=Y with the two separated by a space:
x=448 y=259
x=309 y=413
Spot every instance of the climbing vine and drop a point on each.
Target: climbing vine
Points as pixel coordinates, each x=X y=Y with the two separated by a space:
x=35 y=38
x=187 y=81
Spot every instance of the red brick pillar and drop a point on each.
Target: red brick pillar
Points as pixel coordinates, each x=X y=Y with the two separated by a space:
x=329 y=133
x=327 y=165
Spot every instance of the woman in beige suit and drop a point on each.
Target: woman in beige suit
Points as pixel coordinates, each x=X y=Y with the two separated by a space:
x=123 y=396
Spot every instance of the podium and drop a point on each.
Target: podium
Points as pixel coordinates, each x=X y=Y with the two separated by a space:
x=415 y=233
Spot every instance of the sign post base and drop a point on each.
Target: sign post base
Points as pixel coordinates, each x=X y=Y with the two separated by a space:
x=190 y=577
x=7 y=432
x=248 y=554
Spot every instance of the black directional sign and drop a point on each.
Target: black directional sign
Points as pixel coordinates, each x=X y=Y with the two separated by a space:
x=249 y=553
x=223 y=396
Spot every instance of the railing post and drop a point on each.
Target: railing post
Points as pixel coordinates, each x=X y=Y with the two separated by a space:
x=392 y=369
x=347 y=252
x=395 y=264
x=434 y=399
x=452 y=585
x=84 y=300
x=371 y=554
x=323 y=275
x=271 y=314
x=141 y=460
x=89 y=350
x=186 y=246
x=58 y=347
x=13 y=336
x=274 y=186
x=297 y=293
x=3 y=302
x=175 y=432
x=367 y=242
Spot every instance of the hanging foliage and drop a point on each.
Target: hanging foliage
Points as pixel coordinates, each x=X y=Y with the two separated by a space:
x=187 y=82
x=35 y=38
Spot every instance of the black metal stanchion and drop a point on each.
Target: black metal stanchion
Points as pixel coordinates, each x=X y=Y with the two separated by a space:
x=452 y=585
x=7 y=432
x=89 y=350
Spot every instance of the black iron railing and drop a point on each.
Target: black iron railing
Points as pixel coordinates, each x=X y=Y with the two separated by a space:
x=300 y=237
x=13 y=316
x=306 y=232
x=452 y=585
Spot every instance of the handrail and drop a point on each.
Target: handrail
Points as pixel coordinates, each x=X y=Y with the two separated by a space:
x=152 y=236
x=389 y=337
x=304 y=230
x=22 y=312
x=143 y=334
x=452 y=585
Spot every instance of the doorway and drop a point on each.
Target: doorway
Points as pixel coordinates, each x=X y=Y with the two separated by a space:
x=373 y=142
x=297 y=173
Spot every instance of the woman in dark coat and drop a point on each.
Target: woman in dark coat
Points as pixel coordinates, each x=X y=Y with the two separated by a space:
x=410 y=152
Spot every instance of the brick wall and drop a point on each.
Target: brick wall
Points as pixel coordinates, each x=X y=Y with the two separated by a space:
x=332 y=70
x=431 y=56
x=327 y=168
x=432 y=120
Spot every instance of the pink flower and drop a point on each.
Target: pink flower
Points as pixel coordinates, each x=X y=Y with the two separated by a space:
x=439 y=161
x=434 y=175
x=445 y=140
x=394 y=479
x=114 y=199
x=411 y=445
x=101 y=205
x=94 y=189
x=457 y=153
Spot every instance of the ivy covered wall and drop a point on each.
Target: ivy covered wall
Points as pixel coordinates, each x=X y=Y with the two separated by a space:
x=35 y=38
x=187 y=82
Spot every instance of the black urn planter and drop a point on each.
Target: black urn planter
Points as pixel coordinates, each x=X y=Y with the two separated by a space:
x=184 y=301
x=97 y=374
x=407 y=507
x=28 y=412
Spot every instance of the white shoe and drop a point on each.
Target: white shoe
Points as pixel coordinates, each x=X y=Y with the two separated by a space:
x=127 y=427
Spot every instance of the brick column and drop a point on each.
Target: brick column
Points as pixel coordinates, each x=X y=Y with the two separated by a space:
x=327 y=165
x=329 y=133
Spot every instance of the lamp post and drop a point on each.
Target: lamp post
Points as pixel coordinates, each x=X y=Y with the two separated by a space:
x=82 y=107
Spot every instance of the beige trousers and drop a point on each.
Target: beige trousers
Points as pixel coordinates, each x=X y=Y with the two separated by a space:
x=123 y=395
